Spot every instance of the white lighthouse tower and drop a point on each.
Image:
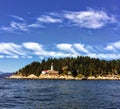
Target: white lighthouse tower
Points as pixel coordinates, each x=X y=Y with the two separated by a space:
x=51 y=66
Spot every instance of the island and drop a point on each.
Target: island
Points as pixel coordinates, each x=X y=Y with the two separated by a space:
x=69 y=68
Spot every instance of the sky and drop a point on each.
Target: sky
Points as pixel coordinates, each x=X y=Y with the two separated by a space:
x=33 y=30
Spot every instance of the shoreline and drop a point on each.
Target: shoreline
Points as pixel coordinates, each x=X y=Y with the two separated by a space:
x=64 y=77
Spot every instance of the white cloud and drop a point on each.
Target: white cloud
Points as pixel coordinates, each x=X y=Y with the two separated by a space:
x=19 y=26
x=81 y=47
x=17 y=17
x=9 y=29
x=48 y=19
x=15 y=26
x=12 y=56
x=30 y=49
x=32 y=46
x=1 y=56
x=109 y=47
x=58 y=54
x=92 y=55
x=115 y=47
x=67 y=47
x=11 y=49
x=36 y=25
x=64 y=46
x=90 y=18
x=35 y=48
x=109 y=56
x=104 y=56
x=28 y=57
x=90 y=49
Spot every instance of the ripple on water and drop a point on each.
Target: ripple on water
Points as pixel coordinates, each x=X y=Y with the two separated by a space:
x=59 y=94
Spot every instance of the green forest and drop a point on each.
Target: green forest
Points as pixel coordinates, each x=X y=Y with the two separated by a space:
x=79 y=66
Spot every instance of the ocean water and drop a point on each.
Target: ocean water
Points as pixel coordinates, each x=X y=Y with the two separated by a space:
x=59 y=94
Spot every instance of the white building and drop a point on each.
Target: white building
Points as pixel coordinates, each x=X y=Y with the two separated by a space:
x=50 y=72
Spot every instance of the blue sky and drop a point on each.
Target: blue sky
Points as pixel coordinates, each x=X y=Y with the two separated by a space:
x=32 y=30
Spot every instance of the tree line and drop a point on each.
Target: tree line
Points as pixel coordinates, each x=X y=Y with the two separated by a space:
x=79 y=66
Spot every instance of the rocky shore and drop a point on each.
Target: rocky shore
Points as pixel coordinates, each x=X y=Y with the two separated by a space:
x=32 y=76
x=65 y=77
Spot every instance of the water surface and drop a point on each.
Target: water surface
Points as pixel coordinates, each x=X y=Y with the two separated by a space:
x=59 y=94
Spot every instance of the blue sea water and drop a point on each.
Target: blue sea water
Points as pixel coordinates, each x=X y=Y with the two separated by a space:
x=59 y=94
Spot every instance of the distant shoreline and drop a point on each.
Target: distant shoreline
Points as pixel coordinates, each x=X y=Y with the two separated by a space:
x=64 y=77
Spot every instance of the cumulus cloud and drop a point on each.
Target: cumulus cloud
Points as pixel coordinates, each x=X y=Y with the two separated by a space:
x=90 y=18
x=64 y=46
x=113 y=47
x=32 y=46
x=35 y=47
x=30 y=49
x=38 y=49
x=67 y=47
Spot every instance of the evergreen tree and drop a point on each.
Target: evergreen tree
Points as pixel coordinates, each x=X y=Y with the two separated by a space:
x=80 y=66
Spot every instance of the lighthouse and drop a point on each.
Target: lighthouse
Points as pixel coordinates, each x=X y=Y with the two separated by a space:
x=51 y=66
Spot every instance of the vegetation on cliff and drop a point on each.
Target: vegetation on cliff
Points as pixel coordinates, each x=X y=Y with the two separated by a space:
x=80 y=66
